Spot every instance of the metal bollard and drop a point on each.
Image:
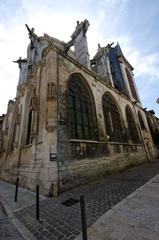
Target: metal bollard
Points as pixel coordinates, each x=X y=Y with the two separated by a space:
x=16 y=189
x=83 y=218
x=37 y=202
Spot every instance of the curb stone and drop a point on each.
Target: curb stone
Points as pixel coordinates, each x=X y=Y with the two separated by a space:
x=25 y=233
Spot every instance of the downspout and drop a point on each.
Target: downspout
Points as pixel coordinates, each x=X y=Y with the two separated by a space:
x=148 y=155
x=58 y=126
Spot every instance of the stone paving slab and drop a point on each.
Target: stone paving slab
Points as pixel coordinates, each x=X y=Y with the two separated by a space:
x=136 y=217
x=25 y=197
x=10 y=227
x=7 y=230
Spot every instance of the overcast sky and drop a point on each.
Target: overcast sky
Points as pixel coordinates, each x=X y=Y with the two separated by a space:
x=133 y=23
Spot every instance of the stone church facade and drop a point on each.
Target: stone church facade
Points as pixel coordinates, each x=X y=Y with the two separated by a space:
x=73 y=119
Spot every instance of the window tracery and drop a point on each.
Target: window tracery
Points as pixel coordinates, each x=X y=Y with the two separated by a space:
x=82 y=118
x=132 y=129
x=142 y=124
x=153 y=131
x=131 y=84
x=113 y=122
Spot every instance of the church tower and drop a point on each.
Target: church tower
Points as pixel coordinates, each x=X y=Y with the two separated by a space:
x=122 y=73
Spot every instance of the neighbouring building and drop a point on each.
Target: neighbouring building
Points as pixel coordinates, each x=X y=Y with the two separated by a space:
x=73 y=119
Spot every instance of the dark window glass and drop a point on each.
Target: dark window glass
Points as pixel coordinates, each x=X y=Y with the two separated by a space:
x=113 y=123
x=153 y=131
x=131 y=84
x=132 y=129
x=82 y=118
x=13 y=137
x=141 y=121
x=28 y=139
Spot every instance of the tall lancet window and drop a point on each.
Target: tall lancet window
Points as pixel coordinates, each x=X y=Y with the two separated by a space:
x=82 y=117
x=29 y=128
x=14 y=136
x=13 y=129
x=142 y=124
x=113 y=123
x=131 y=84
x=153 y=130
x=132 y=129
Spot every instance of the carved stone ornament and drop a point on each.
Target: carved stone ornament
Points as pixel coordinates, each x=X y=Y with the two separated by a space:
x=30 y=75
x=21 y=90
x=51 y=90
x=100 y=115
x=45 y=52
x=30 y=85
x=17 y=101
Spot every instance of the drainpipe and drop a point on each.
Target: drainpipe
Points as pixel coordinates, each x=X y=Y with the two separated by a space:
x=148 y=155
x=58 y=126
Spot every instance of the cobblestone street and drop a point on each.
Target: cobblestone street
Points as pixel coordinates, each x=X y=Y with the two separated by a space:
x=58 y=221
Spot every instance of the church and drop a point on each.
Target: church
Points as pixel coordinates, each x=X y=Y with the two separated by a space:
x=74 y=119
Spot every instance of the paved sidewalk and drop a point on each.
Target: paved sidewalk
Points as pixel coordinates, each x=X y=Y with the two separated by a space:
x=135 y=217
x=25 y=197
x=10 y=227
x=7 y=230
x=60 y=222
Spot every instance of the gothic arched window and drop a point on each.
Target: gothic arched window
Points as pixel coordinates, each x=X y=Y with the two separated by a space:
x=113 y=123
x=13 y=136
x=142 y=124
x=132 y=129
x=82 y=117
x=131 y=84
x=29 y=127
x=13 y=131
x=153 y=131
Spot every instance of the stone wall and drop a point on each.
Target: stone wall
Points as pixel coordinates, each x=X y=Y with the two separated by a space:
x=84 y=161
x=81 y=171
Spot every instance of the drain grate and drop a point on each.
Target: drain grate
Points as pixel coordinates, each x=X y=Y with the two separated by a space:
x=69 y=202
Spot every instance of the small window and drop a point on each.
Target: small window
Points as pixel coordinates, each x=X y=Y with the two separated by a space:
x=28 y=139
